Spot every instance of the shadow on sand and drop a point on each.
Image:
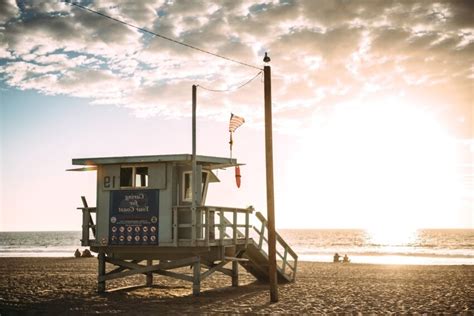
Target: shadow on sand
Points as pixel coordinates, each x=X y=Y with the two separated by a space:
x=153 y=299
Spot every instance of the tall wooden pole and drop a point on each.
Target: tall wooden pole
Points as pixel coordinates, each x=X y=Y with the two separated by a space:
x=194 y=164
x=272 y=272
x=194 y=184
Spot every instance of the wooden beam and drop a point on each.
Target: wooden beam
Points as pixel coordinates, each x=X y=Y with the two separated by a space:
x=175 y=275
x=120 y=269
x=213 y=269
x=139 y=269
x=225 y=271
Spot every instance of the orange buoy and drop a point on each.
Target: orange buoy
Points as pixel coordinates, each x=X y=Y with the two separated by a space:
x=237 y=176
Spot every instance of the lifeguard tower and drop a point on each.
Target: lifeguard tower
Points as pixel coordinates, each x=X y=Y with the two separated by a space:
x=145 y=212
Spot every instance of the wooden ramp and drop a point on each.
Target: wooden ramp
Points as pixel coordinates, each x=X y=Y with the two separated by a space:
x=257 y=257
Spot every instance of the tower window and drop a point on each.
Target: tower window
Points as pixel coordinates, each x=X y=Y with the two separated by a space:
x=131 y=177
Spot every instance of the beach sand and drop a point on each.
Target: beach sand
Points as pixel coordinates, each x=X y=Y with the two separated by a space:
x=68 y=286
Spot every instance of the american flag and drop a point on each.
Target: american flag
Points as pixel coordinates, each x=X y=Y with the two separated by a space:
x=235 y=121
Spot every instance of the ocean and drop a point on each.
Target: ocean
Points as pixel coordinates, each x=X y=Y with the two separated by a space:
x=425 y=246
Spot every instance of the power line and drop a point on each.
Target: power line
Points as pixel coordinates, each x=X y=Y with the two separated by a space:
x=161 y=36
x=232 y=89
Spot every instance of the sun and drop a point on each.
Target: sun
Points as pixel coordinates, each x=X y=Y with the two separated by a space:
x=386 y=165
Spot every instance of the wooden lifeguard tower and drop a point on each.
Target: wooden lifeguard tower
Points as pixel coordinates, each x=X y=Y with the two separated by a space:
x=145 y=212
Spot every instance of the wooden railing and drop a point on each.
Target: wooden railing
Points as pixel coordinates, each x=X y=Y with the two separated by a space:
x=288 y=259
x=201 y=224
x=87 y=222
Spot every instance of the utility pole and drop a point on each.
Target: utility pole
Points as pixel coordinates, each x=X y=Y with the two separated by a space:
x=194 y=184
x=272 y=271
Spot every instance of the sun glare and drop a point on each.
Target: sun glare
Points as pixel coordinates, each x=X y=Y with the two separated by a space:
x=388 y=236
x=387 y=166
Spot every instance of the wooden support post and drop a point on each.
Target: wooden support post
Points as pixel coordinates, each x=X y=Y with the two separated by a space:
x=149 y=275
x=197 y=277
x=235 y=273
x=100 y=281
x=272 y=271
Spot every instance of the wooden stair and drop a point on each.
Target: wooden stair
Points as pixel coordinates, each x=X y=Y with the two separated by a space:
x=257 y=258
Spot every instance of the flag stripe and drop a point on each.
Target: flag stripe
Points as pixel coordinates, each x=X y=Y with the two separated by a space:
x=235 y=122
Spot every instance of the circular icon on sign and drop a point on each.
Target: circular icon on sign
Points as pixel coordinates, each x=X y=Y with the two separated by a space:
x=129 y=229
x=145 y=229
x=145 y=238
x=152 y=238
x=137 y=228
x=114 y=238
x=114 y=229
x=129 y=238
x=121 y=238
x=153 y=229
x=113 y=219
x=122 y=229
x=137 y=238
x=154 y=219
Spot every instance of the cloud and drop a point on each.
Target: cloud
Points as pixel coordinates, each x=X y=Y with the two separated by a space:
x=323 y=53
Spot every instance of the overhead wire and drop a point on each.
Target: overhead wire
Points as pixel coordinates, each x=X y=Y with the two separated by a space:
x=234 y=88
x=162 y=36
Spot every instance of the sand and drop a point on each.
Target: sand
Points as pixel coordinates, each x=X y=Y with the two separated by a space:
x=55 y=286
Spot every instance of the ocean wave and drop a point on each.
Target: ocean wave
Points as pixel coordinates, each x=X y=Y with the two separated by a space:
x=386 y=253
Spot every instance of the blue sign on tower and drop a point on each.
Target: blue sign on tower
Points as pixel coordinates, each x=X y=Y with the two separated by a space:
x=134 y=217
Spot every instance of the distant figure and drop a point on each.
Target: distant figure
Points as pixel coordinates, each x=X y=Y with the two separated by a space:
x=77 y=253
x=336 y=257
x=345 y=259
x=86 y=254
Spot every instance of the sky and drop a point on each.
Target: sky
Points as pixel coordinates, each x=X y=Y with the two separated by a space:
x=372 y=102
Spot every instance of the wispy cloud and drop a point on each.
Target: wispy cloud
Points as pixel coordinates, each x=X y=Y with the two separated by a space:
x=323 y=52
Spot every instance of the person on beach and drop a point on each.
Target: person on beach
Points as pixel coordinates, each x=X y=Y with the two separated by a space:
x=86 y=254
x=77 y=253
x=346 y=259
x=336 y=257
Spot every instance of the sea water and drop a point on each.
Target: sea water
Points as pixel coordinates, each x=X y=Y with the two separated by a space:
x=425 y=246
x=422 y=246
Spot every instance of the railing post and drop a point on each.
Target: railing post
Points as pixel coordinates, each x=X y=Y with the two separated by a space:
x=262 y=234
x=206 y=213
x=246 y=228
x=85 y=226
x=234 y=227
x=193 y=225
x=284 y=260
x=175 y=226
x=221 y=225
